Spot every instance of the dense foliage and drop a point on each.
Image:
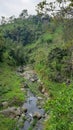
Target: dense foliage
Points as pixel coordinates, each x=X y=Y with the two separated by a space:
x=61 y=110
x=46 y=43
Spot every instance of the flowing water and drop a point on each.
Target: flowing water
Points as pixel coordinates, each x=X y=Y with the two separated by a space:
x=31 y=105
x=31 y=102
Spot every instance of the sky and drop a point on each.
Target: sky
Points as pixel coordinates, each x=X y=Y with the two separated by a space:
x=14 y=7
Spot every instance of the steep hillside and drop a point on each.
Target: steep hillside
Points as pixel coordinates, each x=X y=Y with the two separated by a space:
x=46 y=45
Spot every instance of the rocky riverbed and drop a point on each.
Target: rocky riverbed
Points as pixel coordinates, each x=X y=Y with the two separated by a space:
x=31 y=115
x=33 y=102
x=33 y=112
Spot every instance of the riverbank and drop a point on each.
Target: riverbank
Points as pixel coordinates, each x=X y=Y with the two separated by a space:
x=11 y=95
x=14 y=87
x=36 y=96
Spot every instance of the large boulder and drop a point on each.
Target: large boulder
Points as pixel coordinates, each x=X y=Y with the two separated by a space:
x=37 y=115
x=11 y=112
x=30 y=75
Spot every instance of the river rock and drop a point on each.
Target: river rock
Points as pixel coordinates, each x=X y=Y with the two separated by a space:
x=22 y=89
x=25 y=85
x=33 y=78
x=46 y=94
x=23 y=109
x=30 y=75
x=30 y=114
x=43 y=90
x=17 y=117
x=17 y=112
x=8 y=111
x=20 y=69
x=26 y=75
x=11 y=112
x=5 y=104
x=39 y=98
x=37 y=115
x=23 y=116
x=39 y=107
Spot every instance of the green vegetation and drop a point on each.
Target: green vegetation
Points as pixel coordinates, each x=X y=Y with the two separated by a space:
x=47 y=44
x=33 y=124
x=61 y=110
x=10 y=86
x=7 y=123
x=10 y=92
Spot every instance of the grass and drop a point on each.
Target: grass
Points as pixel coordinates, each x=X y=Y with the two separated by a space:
x=59 y=105
x=7 y=124
x=10 y=91
x=10 y=85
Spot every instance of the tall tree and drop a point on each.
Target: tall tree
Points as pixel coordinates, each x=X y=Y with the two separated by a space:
x=23 y=14
x=2 y=47
x=63 y=7
x=3 y=20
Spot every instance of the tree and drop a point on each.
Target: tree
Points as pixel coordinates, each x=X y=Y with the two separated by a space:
x=60 y=64
x=17 y=53
x=3 y=20
x=62 y=7
x=62 y=13
x=2 y=47
x=23 y=14
x=11 y=19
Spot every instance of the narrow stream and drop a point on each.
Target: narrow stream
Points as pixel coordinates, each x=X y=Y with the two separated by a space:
x=31 y=105
x=31 y=101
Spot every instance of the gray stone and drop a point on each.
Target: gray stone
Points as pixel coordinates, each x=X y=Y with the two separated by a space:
x=17 y=112
x=22 y=89
x=37 y=115
x=30 y=75
x=46 y=94
x=23 y=116
x=30 y=114
x=17 y=117
x=5 y=104
x=11 y=112
x=39 y=107
x=23 y=109
x=32 y=80
x=25 y=85
x=20 y=69
x=43 y=90
x=40 y=98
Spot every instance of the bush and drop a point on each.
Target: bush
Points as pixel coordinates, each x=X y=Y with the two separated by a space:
x=59 y=62
x=61 y=110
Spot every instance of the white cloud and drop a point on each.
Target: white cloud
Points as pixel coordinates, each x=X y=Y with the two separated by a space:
x=14 y=7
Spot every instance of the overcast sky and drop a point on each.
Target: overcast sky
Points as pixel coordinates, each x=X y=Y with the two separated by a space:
x=14 y=7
